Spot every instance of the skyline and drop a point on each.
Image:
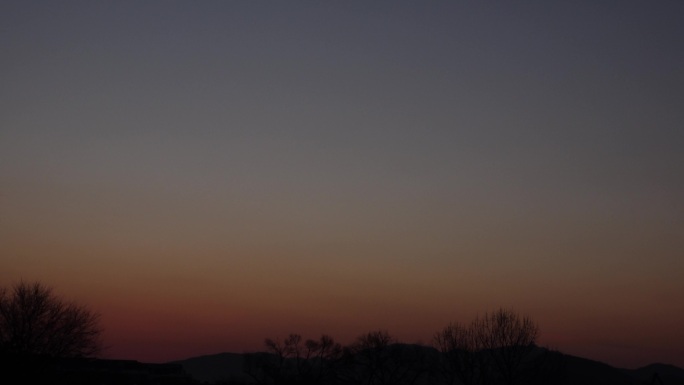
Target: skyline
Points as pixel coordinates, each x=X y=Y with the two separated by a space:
x=200 y=172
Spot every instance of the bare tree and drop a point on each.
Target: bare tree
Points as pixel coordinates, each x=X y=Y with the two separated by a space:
x=294 y=361
x=509 y=341
x=33 y=321
x=326 y=355
x=376 y=358
x=499 y=347
x=462 y=360
x=367 y=357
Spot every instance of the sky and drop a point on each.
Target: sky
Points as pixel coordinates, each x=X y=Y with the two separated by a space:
x=208 y=174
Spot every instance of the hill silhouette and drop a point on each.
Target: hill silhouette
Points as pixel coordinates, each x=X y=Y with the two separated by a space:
x=668 y=374
x=228 y=368
x=221 y=367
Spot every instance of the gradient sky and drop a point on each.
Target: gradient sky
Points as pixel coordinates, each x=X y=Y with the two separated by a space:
x=208 y=174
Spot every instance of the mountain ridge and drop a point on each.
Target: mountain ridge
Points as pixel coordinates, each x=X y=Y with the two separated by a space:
x=228 y=366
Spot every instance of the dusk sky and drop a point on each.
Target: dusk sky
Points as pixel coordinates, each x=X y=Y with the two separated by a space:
x=206 y=174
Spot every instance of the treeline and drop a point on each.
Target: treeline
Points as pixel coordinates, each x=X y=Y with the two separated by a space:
x=498 y=348
x=43 y=338
x=46 y=340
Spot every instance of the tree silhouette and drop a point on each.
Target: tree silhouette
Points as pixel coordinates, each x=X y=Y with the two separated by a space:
x=462 y=360
x=499 y=347
x=509 y=340
x=294 y=361
x=376 y=358
x=35 y=322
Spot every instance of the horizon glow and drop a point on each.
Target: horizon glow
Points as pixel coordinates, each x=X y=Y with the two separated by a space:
x=209 y=175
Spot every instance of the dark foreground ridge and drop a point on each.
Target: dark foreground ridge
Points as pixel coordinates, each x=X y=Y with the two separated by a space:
x=81 y=371
x=233 y=368
x=236 y=368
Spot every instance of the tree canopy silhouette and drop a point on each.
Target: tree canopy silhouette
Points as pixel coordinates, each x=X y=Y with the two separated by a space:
x=34 y=321
x=498 y=348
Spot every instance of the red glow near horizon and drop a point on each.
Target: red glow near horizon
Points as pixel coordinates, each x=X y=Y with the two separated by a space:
x=208 y=174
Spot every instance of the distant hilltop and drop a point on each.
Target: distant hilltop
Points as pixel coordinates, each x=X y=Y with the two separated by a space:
x=228 y=368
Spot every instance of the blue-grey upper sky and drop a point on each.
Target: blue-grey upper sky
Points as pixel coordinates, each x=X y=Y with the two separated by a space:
x=486 y=151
